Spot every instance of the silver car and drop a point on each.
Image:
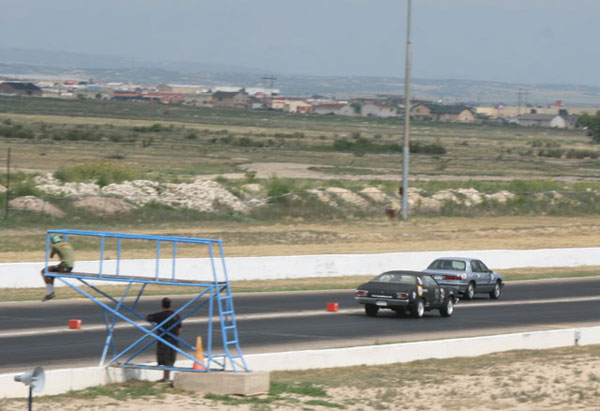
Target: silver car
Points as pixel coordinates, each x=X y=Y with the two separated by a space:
x=467 y=275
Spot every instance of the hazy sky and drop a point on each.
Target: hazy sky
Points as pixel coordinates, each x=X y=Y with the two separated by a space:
x=530 y=41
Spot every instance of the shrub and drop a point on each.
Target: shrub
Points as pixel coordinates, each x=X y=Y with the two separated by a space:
x=363 y=145
x=154 y=128
x=579 y=154
x=24 y=188
x=279 y=190
x=16 y=131
x=553 y=153
x=101 y=172
x=421 y=148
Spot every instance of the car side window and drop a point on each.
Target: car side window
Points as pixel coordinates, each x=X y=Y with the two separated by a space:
x=484 y=267
x=429 y=282
x=474 y=266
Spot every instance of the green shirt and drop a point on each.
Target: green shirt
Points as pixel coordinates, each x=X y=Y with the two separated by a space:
x=65 y=252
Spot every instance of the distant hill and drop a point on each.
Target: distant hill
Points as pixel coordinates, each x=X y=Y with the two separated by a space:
x=42 y=63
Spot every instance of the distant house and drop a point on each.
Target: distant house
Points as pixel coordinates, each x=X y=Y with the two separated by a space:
x=333 y=108
x=563 y=120
x=233 y=99
x=348 y=110
x=20 y=89
x=379 y=110
x=126 y=95
x=164 y=98
x=290 y=104
x=299 y=106
x=181 y=89
x=536 y=120
x=439 y=112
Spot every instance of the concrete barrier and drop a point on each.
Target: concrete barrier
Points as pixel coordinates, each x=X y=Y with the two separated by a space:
x=23 y=275
x=61 y=381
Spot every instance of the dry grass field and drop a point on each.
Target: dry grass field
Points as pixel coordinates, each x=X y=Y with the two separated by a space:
x=176 y=144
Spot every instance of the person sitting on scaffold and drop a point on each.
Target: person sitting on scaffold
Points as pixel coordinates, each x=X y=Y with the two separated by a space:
x=65 y=252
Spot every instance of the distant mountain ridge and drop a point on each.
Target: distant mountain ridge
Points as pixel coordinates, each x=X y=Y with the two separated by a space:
x=107 y=68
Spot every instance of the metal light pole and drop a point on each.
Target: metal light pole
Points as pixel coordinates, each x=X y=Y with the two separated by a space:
x=406 y=147
x=7 y=184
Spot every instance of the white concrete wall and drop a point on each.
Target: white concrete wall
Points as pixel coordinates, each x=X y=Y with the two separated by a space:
x=61 y=381
x=326 y=265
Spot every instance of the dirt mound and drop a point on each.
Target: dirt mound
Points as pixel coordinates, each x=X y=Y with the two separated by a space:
x=31 y=203
x=348 y=196
x=108 y=206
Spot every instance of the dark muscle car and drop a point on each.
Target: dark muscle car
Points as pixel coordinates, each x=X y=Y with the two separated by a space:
x=401 y=291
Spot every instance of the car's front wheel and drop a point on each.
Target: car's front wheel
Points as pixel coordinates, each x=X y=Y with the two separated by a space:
x=448 y=309
x=371 y=310
x=469 y=293
x=496 y=291
x=418 y=309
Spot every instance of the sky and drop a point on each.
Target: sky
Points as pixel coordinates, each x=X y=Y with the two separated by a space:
x=522 y=41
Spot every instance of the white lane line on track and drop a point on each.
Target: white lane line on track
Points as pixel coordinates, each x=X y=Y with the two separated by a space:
x=266 y=316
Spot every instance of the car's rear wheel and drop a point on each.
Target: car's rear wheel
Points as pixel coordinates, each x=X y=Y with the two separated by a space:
x=418 y=309
x=470 y=291
x=448 y=309
x=371 y=310
x=496 y=291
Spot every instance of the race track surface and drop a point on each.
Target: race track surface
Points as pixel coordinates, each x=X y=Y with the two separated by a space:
x=36 y=334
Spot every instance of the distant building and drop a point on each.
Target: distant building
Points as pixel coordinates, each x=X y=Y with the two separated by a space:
x=234 y=99
x=126 y=95
x=562 y=120
x=328 y=108
x=348 y=110
x=164 y=98
x=445 y=113
x=291 y=105
x=20 y=89
x=181 y=89
x=536 y=120
x=379 y=110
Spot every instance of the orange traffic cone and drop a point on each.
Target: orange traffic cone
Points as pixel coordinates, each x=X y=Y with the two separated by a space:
x=199 y=354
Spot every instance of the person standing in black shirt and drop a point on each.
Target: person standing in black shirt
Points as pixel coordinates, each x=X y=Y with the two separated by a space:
x=166 y=355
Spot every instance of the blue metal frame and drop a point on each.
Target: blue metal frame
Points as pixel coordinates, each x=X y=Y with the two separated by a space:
x=208 y=294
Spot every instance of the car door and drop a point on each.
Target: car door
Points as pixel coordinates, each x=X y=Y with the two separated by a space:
x=490 y=280
x=431 y=291
x=482 y=275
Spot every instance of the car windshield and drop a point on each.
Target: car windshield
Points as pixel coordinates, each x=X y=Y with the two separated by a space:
x=396 y=278
x=448 y=265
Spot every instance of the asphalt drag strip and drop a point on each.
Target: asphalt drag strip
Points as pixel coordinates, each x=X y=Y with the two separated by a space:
x=283 y=315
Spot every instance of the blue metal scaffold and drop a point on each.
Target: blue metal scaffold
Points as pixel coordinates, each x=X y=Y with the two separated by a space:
x=213 y=292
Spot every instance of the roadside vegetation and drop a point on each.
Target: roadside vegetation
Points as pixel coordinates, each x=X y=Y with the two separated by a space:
x=516 y=173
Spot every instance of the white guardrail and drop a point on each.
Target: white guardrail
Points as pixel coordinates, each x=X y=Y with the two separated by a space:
x=61 y=381
x=25 y=275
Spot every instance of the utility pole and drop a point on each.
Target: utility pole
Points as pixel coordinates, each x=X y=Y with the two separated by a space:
x=269 y=81
x=520 y=94
x=406 y=146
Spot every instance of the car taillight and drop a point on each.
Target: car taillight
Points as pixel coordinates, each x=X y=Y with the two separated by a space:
x=402 y=296
x=451 y=277
x=361 y=293
x=463 y=276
